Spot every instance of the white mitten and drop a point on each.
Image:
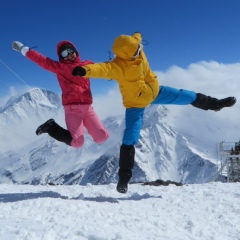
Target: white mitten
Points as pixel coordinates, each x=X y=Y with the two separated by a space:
x=18 y=46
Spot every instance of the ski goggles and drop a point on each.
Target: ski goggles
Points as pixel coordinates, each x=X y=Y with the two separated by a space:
x=67 y=51
x=137 y=52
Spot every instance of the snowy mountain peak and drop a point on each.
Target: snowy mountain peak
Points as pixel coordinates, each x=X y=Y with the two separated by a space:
x=34 y=97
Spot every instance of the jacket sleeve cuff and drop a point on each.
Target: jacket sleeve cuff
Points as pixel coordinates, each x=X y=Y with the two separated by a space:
x=24 y=50
x=87 y=71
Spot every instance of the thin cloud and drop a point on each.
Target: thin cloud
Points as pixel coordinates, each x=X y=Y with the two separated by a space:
x=216 y=80
x=208 y=77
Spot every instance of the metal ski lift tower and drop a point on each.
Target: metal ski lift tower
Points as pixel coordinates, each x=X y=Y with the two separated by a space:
x=230 y=166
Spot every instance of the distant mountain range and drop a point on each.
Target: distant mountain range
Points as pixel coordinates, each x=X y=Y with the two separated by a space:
x=162 y=152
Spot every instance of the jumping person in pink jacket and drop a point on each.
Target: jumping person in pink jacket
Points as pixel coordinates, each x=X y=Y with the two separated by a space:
x=76 y=96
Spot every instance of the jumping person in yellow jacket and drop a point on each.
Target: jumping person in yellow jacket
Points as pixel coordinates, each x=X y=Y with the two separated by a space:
x=139 y=88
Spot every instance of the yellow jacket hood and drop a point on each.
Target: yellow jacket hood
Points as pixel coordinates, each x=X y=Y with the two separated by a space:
x=126 y=46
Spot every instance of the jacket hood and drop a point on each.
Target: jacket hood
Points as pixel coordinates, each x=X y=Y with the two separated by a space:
x=63 y=43
x=126 y=46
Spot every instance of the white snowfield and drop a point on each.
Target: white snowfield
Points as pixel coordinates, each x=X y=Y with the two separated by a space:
x=190 y=212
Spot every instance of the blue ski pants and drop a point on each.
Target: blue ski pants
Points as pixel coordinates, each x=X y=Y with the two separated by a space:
x=134 y=116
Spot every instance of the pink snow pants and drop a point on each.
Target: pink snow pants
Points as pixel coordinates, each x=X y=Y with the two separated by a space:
x=79 y=116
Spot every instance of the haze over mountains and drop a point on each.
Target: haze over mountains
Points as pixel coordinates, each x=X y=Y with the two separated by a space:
x=165 y=151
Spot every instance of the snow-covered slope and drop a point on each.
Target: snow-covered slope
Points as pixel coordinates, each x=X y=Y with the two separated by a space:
x=196 y=212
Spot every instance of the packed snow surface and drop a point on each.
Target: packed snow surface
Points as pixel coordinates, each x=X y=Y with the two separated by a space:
x=99 y=212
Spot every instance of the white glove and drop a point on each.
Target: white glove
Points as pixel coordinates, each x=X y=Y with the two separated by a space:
x=18 y=46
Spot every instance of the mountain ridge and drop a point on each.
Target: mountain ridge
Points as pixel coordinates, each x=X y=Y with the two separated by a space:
x=161 y=153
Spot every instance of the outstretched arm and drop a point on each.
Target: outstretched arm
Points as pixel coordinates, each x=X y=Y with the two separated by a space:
x=107 y=70
x=36 y=57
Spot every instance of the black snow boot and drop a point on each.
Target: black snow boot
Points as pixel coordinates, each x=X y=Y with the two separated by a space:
x=44 y=127
x=55 y=131
x=208 y=103
x=126 y=163
x=124 y=177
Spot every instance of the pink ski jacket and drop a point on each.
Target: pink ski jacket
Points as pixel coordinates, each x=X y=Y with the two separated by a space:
x=75 y=89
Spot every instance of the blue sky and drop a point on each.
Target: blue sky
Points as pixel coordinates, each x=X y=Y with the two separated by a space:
x=178 y=33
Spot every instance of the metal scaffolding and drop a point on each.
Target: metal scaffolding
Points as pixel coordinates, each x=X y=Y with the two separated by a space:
x=230 y=161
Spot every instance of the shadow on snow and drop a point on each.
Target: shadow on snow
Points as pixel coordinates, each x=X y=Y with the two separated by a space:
x=15 y=197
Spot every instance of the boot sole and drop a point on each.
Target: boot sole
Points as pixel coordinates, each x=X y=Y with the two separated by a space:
x=121 y=189
x=230 y=105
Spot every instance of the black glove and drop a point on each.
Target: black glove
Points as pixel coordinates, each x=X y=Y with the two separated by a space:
x=79 y=71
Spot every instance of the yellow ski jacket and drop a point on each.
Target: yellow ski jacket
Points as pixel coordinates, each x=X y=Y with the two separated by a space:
x=138 y=85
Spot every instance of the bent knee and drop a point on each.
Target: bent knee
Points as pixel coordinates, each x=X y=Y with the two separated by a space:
x=102 y=136
x=77 y=143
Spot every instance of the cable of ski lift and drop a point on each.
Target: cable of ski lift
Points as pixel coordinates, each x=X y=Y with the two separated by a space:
x=14 y=73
